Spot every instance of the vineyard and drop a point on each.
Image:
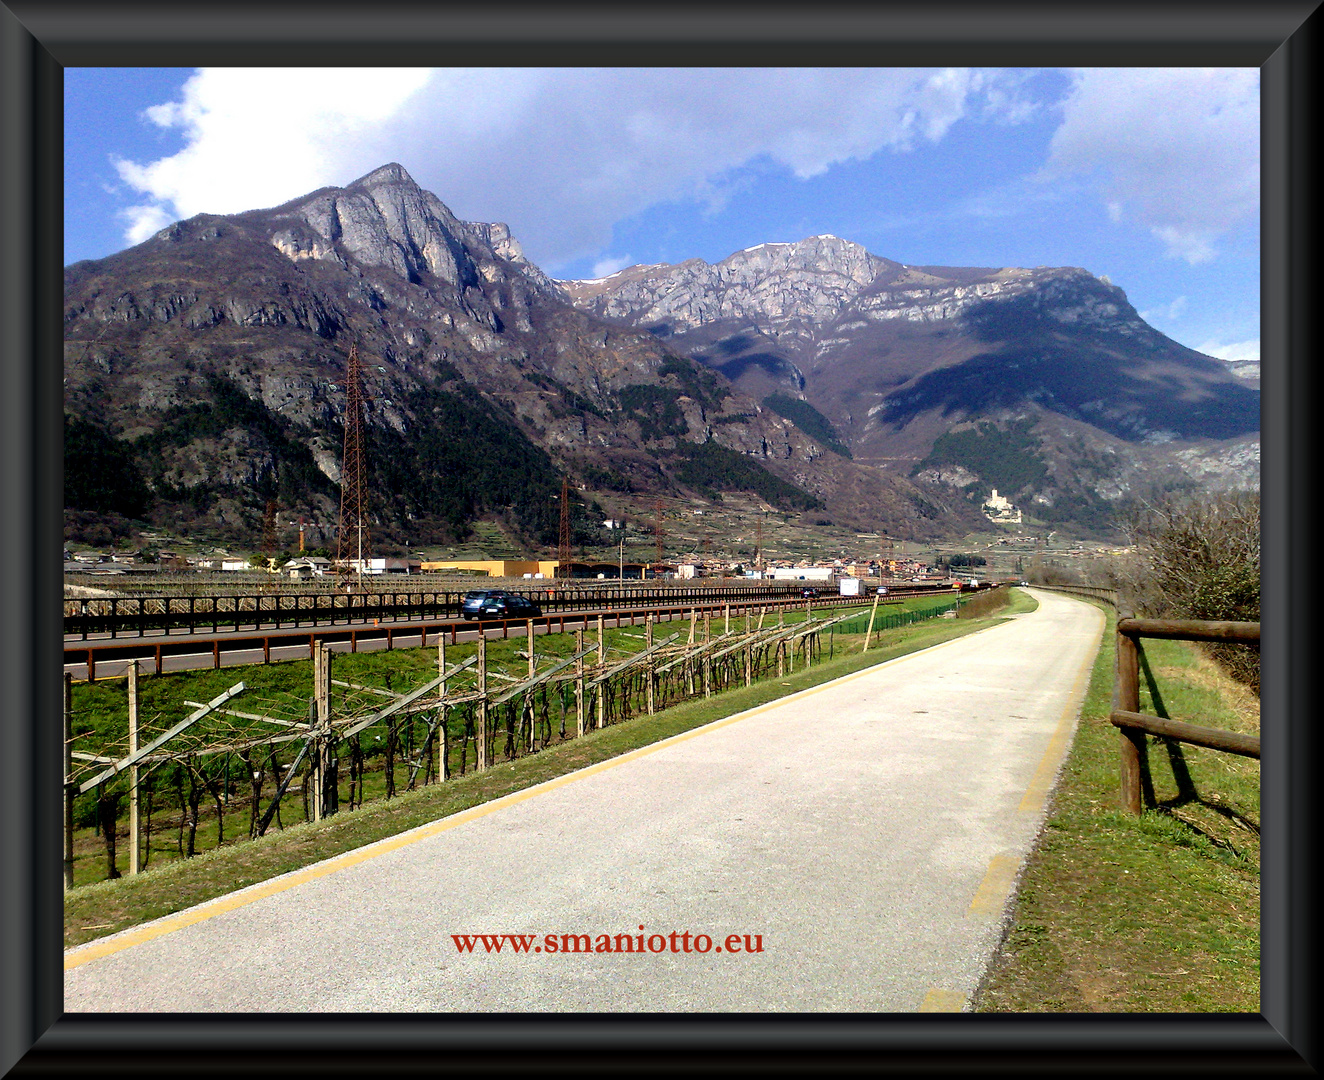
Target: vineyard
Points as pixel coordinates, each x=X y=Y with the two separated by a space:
x=166 y=767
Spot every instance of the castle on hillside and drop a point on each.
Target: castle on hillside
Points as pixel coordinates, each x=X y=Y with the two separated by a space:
x=997 y=508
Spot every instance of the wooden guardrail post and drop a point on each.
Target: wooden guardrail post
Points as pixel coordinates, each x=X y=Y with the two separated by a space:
x=1133 y=744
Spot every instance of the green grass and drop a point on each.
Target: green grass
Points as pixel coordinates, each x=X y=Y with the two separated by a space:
x=104 y=907
x=1156 y=913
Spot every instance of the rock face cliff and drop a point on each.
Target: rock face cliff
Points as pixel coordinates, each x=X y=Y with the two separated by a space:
x=898 y=361
x=204 y=370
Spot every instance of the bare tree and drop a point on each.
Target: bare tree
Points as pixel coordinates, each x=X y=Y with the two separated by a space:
x=1199 y=558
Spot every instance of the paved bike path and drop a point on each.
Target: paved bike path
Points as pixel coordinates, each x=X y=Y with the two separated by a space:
x=868 y=831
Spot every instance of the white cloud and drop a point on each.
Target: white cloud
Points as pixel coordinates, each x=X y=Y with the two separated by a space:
x=1172 y=311
x=608 y=266
x=1238 y=350
x=560 y=154
x=1175 y=150
x=259 y=136
x=144 y=221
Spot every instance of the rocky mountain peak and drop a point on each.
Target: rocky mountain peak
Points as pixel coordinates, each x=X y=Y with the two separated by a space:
x=390 y=173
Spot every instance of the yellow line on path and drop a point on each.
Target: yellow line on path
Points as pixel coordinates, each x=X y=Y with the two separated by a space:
x=96 y=950
x=1036 y=795
x=943 y=1001
x=996 y=886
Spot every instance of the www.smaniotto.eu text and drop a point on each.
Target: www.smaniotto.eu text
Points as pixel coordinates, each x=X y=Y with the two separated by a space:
x=677 y=941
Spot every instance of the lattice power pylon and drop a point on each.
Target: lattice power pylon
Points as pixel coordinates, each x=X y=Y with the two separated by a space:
x=353 y=546
x=269 y=530
x=563 y=547
x=269 y=540
x=658 y=535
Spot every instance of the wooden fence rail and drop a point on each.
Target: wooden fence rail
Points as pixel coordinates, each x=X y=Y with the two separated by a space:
x=1136 y=726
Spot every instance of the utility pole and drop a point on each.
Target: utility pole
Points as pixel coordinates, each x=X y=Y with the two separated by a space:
x=352 y=537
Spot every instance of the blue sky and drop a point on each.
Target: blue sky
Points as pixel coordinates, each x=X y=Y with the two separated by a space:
x=1147 y=176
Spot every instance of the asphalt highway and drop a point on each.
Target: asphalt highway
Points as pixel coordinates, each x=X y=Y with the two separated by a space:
x=852 y=847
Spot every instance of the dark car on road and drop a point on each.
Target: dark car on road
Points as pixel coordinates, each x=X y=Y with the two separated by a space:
x=808 y=592
x=473 y=601
x=508 y=606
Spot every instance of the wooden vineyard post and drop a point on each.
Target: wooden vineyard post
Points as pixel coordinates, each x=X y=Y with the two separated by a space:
x=480 y=750
x=1133 y=739
x=707 y=659
x=650 y=689
x=749 y=656
x=694 y=617
x=315 y=723
x=602 y=686
x=320 y=804
x=328 y=769
x=441 y=708
x=726 y=615
x=68 y=780
x=579 y=683
x=135 y=831
x=868 y=632
x=528 y=698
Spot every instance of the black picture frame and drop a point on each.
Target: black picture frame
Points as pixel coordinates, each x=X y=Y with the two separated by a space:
x=39 y=39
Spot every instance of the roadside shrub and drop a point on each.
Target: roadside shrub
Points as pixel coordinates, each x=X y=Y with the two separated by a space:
x=1199 y=558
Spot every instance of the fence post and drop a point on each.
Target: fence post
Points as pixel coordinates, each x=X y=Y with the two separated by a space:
x=68 y=782
x=1127 y=699
x=652 y=675
x=315 y=723
x=707 y=657
x=579 y=683
x=441 y=707
x=135 y=839
x=481 y=748
x=602 y=686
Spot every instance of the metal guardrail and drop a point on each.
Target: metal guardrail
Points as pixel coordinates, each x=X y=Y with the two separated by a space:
x=1094 y=592
x=1135 y=725
x=136 y=615
x=155 y=650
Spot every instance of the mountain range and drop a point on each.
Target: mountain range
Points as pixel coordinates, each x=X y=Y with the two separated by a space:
x=1044 y=383
x=204 y=377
